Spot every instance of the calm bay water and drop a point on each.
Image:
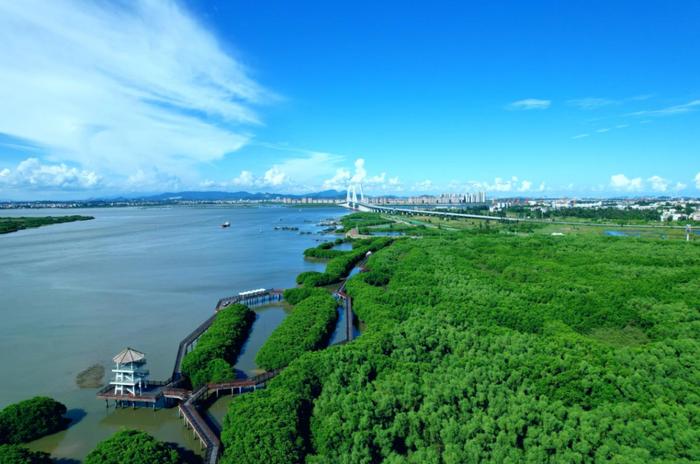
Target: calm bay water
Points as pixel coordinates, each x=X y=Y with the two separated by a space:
x=72 y=295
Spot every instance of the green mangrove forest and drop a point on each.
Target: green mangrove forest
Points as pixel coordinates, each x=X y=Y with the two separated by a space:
x=217 y=349
x=13 y=224
x=486 y=345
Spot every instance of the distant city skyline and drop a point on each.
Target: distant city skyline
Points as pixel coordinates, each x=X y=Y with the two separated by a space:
x=536 y=99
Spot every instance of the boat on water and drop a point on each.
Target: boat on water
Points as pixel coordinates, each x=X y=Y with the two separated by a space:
x=225 y=225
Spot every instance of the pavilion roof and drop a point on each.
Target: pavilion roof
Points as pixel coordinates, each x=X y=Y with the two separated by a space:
x=129 y=355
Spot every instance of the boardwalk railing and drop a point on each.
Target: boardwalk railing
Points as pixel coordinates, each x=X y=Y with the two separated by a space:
x=193 y=419
x=187 y=342
x=261 y=297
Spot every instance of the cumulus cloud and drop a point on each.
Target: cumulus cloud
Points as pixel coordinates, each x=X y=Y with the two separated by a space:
x=423 y=185
x=119 y=87
x=525 y=186
x=622 y=182
x=274 y=177
x=658 y=184
x=244 y=179
x=35 y=175
x=360 y=171
x=530 y=104
x=339 y=181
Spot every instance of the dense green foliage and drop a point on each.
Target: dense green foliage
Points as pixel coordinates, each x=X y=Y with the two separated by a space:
x=343 y=263
x=272 y=425
x=602 y=214
x=217 y=349
x=363 y=220
x=322 y=252
x=15 y=454
x=498 y=348
x=30 y=419
x=133 y=447
x=295 y=295
x=13 y=224
x=306 y=328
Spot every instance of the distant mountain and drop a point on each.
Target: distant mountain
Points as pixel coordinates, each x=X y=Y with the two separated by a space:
x=237 y=196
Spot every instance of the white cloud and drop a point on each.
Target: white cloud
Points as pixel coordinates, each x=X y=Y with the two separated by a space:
x=697 y=180
x=151 y=179
x=530 y=104
x=542 y=187
x=244 y=179
x=33 y=174
x=525 y=186
x=622 y=182
x=603 y=130
x=671 y=110
x=360 y=171
x=590 y=103
x=658 y=183
x=119 y=87
x=423 y=185
x=580 y=136
x=339 y=181
x=680 y=186
x=274 y=177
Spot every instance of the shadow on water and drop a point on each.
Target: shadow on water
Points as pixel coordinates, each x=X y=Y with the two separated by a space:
x=240 y=374
x=75 y=415
x=65 y=461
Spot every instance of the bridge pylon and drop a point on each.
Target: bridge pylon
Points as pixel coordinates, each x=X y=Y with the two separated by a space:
x=351 y=195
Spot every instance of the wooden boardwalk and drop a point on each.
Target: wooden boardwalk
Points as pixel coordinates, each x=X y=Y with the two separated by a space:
x=195 y=421
x=263 y=297
x=162 y=392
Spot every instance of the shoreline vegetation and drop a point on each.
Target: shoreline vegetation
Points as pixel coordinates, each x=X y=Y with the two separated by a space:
x=30 y=419
x=217 y=349
x=14 y=224
x=493 y=343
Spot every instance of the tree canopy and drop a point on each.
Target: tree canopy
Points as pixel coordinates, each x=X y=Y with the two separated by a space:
x=16 y=454
x=31 y=419
x=494 y=347
x=216 y=351
x=133 y=447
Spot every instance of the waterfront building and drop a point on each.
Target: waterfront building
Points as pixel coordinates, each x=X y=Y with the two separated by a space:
x=130 y=375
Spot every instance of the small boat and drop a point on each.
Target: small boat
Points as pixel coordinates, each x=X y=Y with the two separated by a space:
x=225 y=225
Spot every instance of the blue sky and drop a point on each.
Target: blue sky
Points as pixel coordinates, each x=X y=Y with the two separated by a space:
x=576 y=98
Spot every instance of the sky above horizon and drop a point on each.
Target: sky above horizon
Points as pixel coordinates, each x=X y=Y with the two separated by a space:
x=543 y=98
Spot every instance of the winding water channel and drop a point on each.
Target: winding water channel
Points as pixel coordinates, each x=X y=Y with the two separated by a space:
x=72 y=295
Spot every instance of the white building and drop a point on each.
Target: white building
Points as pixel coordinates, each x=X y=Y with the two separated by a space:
x=130 y=376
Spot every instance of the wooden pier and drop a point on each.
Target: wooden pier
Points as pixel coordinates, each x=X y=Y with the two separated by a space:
x=254 y=298
x=164 y=393
x=195 y=421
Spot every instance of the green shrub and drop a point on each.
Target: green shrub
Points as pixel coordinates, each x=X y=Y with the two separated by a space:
x=294 y=296
x=269 y=425
x=306 y=328
x=491 y=347
x=219 y=345
x=133 y=447
x=31 y=419
x=13 y=224
x=340 y=266
x=15 y=454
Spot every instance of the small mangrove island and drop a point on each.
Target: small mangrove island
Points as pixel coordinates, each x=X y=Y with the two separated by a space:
x=13 y=224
